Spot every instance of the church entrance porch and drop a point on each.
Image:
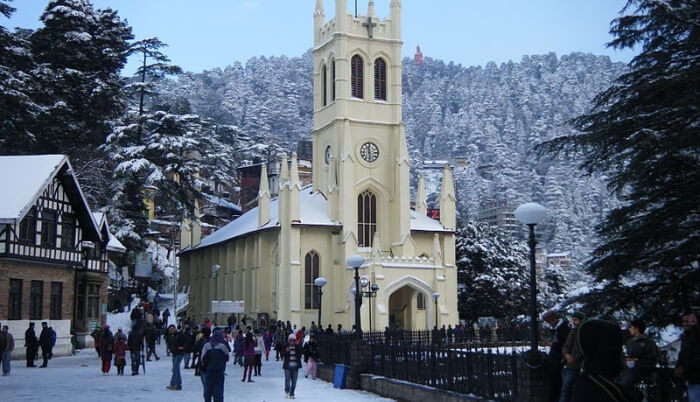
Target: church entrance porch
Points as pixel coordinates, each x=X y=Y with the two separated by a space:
x=407 y=309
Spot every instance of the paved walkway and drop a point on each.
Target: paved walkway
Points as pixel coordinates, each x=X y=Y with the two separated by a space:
x=78 y=379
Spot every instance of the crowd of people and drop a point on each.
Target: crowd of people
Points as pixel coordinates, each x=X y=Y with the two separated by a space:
x=596 y=360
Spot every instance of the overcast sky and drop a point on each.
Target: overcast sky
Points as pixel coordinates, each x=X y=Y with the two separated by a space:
x=207 y=34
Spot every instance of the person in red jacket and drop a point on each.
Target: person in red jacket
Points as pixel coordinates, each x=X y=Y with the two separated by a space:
x=120 y=352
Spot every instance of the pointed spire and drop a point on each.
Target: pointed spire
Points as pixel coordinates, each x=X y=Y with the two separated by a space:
x=341 y=10
x=263 y=198
x=284 y=172
x=395 y=7
x=370 y=9
x=294 y=172
x=437 y=253
x=319 y=7
x=421 y=206
x=447 y=200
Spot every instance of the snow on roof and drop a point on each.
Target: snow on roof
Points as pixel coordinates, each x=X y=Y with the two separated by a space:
x=113 y=244
x=222 y=202
x=313 y=212
x=24 y=178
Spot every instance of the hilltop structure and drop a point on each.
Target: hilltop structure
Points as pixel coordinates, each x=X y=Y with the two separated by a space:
x=358 y=204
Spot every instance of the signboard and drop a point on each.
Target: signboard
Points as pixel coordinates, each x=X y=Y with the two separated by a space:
x=143 y=266
x=227 y=306
x=434 y=214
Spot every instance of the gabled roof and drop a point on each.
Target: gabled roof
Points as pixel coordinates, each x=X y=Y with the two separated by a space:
x=23 y=179
x=113 y=244
x=313 y=212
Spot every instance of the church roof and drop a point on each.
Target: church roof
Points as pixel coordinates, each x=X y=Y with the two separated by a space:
x=313 y=212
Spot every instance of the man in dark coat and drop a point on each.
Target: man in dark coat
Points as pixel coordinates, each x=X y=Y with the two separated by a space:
x=555 y=360
x=641 y=357
x=213 y=366
x=32 y=344
x=688 y=365
x=175 y=341
x=189 y=344
x=46 y=343
x=135 y=344
x=151 y=335
x=600 y=343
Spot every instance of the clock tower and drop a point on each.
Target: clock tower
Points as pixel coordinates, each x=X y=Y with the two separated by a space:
x=360 y=153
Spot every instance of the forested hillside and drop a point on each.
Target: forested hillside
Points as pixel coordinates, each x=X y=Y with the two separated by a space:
x=490 y=115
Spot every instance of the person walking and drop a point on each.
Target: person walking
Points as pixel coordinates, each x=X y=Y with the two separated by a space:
x=3 y=345
x=106 y=349
x=238 y=347
x=8 y=347
x=572 y=356
x=259 y=348
x=249 y=356
x=267 y=340
x=176 y=344
x=688 y=366
x=311 y=357
x=120 y=347
x=202 y=339
x=213 y=366
x=166 y=316
x=291 y=363
x=31 y=343
x=135 y=345
x=280 y=342
x=45 y=341
x=151 y=335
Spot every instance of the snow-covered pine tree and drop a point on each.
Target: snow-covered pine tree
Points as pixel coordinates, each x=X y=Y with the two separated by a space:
x=643 y=134
x=80 y=52
x=492 y=273
x=17 y=108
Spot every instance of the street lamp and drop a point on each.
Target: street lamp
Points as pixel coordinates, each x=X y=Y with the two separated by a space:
x=436 y=296
x=372 y=292
x=320 y=282
x=356 y=262
x=531 y=214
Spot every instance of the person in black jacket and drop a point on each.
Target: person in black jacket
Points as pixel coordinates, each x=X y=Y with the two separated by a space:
x=135 y=344
x=688 y=365
x=213 y=366
x=151 y=335
x=199 y=343
x=600 y=343
x=555 y=359
x=176 y=344
x=189 y=344
x=641 y=356
x=32 y=344
x=46 y=343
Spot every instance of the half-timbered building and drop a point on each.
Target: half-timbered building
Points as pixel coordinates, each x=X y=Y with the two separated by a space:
x=53 y=256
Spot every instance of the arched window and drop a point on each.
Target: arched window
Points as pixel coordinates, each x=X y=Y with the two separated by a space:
x=358 y=88
x=311 y=267
x=420 y=301
x=366 y=218
x=324 y=87
x=333 y=81
x=380 y=79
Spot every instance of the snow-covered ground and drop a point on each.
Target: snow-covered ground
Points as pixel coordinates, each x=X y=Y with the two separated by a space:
x=78 y=379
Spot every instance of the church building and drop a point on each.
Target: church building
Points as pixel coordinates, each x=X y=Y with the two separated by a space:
x=359 y=203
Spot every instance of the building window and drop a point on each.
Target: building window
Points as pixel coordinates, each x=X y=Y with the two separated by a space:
x=15 y=303
x=324 y=87
x=420 y=301
x=68 y=232
x=36 y=298
x=80 y=308
x=380 y=79
x=27 y=228
x=357 y=77
x=366 y=218
x=333 y=81
x=93 y=301
x=56 y=300
x=311 y=268
x=48 y=228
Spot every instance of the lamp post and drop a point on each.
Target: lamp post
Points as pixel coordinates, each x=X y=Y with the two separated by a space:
x=532 y=214
x=436 y=296
x=214 y=269
x=356 y=262
x=320 y=282
x=372 y=292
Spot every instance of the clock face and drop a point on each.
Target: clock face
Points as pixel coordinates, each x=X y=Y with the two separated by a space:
x=329 y=154
x=369 y=152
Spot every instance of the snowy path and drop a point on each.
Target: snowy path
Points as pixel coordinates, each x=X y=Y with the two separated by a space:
x=78 y=379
